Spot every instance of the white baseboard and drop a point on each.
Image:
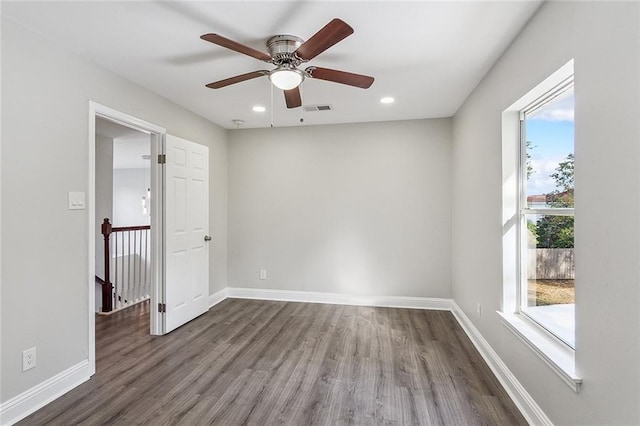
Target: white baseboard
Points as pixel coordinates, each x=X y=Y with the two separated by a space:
x=340 y=299
x=217 y=297
x=525 y=403
x=19 y=407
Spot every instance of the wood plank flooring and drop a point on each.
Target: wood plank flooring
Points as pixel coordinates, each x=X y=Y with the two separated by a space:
x=271 y=363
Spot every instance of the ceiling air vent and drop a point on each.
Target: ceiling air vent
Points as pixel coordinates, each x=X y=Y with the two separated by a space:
x=311 y=108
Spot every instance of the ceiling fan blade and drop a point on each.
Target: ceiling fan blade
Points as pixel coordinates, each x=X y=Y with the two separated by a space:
x=236 y=79
x=234 y=45
x=292 y=97
x=343 y=77
x=330 y=34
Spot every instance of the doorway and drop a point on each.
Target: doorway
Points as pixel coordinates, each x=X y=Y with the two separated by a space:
x=122 y=216
x=138 y=183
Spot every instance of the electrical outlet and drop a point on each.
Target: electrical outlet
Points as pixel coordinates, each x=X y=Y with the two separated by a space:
x=263 y=274
x=479 y=310
x=28 y=359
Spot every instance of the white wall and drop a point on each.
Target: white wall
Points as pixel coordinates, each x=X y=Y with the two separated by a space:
x=129 y=186
x=361 y=209
x=604 y=40
x=45 y=106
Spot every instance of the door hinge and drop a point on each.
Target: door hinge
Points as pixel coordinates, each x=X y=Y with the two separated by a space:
x=162 y=307
x=162 y=158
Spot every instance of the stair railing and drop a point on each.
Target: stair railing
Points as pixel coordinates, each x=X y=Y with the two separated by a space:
x=127 y=269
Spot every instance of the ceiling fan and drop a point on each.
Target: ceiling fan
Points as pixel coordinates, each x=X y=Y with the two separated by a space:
x=287 y=52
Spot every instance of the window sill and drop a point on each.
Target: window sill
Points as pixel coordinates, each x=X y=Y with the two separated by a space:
x=559 y=357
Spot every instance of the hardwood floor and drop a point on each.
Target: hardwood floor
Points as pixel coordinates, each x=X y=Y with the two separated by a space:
x=270 y=363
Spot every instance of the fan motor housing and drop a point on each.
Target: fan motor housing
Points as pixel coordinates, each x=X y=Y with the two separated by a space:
x=282 y=48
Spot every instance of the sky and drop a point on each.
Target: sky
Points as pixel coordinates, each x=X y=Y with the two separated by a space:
x=551 y=132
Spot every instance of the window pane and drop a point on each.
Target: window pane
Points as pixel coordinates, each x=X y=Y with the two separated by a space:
x=550 y=274
x=549 y=134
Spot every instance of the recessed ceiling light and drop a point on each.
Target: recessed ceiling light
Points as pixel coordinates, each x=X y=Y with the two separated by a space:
x=387 y=100
x=259 y=108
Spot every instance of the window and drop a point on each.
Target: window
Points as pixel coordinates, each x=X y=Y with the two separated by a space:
x=546 y=285
x=537 y=222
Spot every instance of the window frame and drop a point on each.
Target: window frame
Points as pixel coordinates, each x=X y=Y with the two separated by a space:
x=523 y=210
x=558 y=357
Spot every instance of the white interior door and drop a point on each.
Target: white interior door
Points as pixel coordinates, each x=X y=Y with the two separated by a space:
x=186 y=219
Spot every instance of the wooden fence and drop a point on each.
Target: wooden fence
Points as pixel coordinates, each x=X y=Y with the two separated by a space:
x=551 y=264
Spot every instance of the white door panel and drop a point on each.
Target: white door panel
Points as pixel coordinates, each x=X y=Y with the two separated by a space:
x=186 y=225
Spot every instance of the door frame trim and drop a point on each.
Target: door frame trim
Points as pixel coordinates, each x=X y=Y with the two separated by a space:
x=157 y=147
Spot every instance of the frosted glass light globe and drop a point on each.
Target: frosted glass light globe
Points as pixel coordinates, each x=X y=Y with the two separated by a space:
x=286 y=78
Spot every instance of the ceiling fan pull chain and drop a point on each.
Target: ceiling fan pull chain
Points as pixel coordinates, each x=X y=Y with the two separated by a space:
x=271 y=86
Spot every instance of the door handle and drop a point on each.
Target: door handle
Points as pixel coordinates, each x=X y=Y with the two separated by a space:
x=207 y=238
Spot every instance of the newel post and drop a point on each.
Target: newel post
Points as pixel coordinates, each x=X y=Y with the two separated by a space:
x=107 y=287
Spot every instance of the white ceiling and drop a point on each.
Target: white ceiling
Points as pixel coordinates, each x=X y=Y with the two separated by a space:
x=428 y=55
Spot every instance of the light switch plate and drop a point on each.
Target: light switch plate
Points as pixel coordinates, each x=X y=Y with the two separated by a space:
x=76 y=201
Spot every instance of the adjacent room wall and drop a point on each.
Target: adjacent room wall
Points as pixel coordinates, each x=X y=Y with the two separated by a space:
x=45 y=108
x=104 y=203
x=604 y=40
x=360 y=209
x=129 y=186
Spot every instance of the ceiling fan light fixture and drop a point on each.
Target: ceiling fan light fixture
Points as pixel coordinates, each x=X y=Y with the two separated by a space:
x=286 y=78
